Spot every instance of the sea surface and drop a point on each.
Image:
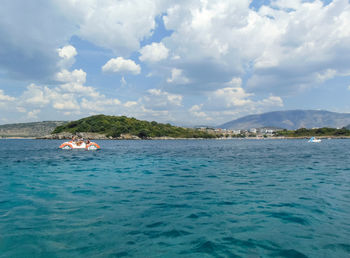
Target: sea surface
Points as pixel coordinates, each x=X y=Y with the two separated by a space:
x=175 y=198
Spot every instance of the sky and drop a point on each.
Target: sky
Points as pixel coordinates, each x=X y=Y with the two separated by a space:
x=184 y=62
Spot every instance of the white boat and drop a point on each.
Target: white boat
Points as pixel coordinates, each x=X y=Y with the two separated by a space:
x=79 y=145
x=313 y=139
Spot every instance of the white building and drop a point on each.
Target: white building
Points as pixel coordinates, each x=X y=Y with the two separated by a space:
x=252 y=130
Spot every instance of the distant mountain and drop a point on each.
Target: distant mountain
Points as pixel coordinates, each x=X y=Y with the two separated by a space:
x=292 y=119
x=35 y=129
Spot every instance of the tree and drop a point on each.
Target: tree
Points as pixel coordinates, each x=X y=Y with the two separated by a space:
x=143 y=134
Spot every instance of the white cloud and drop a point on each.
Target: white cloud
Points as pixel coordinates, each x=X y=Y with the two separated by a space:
x=293 y=42
x=41 y=96
x=273 y=101
x=116 y=25
x=64 y=101
x=121 y=65
x=231 y=101
x=157 y=99
x=154 y=52
x=278 y=49
x=35 y=95
x=63 y=98
x=195 y=110
x=76 y=76
x=6 y=101
x=305 y=37
x=235 y=82
x=31 y=33
x=33 y=114
x=4 y=97
x=100 y=105
x=67 y=52
x=32 y=36
x=130 y=104
x=326 y=75
x=310 y=46
x=123 y=81
x=227 y=104
x=232 y=97
x=21 y=109
x=73 y=82
x=177 y=77
x=71 y=96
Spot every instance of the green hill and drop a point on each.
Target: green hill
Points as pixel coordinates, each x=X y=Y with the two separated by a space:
x=114 y=126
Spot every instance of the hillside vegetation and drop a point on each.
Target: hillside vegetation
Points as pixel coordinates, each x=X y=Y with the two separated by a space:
x=114 y=126
x=303 y=132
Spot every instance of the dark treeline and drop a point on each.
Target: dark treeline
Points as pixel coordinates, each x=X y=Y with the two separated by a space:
x=325 y=131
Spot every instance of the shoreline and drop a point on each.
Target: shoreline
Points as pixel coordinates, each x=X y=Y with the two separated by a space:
x=172 y=138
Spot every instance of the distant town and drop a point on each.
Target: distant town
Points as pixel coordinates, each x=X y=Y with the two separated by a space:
x=268 y=132
x=238 y=133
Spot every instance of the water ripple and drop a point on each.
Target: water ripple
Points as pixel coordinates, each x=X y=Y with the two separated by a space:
x=234 y=198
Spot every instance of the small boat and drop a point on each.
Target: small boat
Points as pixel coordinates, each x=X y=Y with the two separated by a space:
x=79 y=145
x=313 y=139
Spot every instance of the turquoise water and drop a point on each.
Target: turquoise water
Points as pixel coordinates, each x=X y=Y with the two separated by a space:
x=200 y=198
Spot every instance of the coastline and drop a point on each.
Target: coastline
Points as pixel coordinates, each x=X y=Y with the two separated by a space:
x=172 y=138
x=17 y=138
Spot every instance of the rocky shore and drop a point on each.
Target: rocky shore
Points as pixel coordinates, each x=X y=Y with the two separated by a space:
x=91 y=136
x=97 y=136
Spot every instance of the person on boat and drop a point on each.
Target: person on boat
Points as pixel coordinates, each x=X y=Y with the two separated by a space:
x=80 y=141
x=87 y=142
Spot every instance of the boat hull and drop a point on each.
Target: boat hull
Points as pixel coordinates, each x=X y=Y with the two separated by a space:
x=82 y=146
x=313 y=139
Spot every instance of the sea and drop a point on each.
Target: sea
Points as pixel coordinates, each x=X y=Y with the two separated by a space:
x=175 y=198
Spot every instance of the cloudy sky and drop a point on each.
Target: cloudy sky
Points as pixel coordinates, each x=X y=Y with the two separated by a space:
x=187 y=62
